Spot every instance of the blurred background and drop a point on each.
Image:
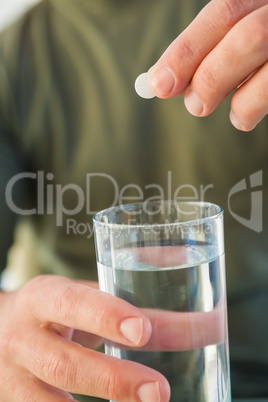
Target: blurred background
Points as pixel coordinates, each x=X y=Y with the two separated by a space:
x=10 y=10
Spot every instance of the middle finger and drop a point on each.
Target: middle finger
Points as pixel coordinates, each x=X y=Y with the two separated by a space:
x=81 y=307
x=72 y=368
x=243 y=50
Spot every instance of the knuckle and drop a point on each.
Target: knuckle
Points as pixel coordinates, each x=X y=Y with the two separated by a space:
x=254 y=32
x=255 y=36
x=208 y=77
x=65 y=303
x=57 y=370
x=259 y=30
x=7 y=344
x=187 y=52
x=114 y=386
x=35 y=283
x=101 y=317
x=234 y=8
x=31 y=291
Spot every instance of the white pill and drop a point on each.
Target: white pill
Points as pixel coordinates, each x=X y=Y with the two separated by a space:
x=142 y=86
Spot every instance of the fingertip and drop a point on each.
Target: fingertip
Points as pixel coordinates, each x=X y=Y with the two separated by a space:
x=239 y=126
x=154 y=391
x=165 y=391
x=193 y=103
x=136 y=330
x=162 y=82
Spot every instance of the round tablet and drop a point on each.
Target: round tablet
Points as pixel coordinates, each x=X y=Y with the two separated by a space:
x=142 y=86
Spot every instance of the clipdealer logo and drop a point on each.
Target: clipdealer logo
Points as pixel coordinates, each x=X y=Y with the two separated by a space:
x=51 y=198
x=255 y=221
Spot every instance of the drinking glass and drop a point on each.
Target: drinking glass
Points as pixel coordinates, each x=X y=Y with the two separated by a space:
x=167 y=258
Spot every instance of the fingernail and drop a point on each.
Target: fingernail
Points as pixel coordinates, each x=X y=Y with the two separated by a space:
x=234 y=121
x=149 y=392
x=162 y=81
x=193 y=103
x=132 y=329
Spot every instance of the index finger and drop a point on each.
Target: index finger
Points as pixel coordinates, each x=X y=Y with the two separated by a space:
x=173 y=72
x=65 y=302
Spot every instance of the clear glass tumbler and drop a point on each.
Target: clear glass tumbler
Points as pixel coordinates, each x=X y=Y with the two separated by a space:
x=167 y=258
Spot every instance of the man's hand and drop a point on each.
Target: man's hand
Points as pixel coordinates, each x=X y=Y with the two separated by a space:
x=39 y=355
x=224 y=49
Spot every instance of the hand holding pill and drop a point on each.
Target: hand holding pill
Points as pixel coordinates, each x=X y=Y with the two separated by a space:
x=223 y=50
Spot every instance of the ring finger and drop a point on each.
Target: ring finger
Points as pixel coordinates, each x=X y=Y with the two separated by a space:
x=72 y=368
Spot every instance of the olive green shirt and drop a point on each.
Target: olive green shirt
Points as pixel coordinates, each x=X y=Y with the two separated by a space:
x=71 y=120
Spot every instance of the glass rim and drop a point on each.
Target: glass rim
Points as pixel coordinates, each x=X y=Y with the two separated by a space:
x=191 y=222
